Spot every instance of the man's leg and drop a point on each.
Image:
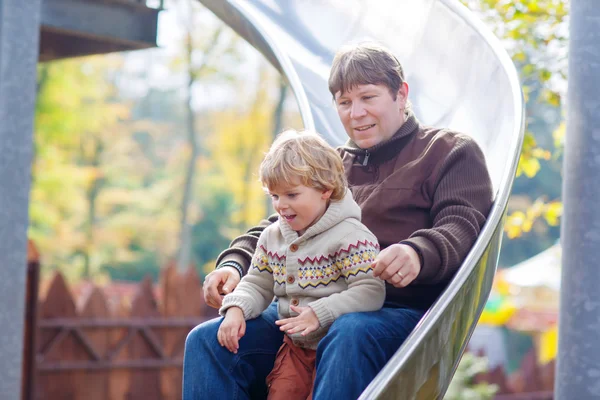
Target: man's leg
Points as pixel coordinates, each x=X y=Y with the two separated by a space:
x=357 y=347
x=213 y=372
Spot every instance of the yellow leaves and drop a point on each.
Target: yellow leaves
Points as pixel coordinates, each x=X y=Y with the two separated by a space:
x=237 y=145
x=559 y=135
x=551 y=97
x=528 y=166
x=552 y=213
x=529 y=163
x=513 y=224
x=520 y=222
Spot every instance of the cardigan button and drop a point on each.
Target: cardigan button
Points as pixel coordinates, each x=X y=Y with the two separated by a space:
x=291 y=279
x=294 y=302
x=294 y=247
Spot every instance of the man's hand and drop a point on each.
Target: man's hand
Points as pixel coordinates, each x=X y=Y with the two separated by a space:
x=232 y=329
x=220 y=282
x=398 y=265
x=306 y=322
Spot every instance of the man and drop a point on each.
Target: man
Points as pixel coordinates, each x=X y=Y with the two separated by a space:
x=424 y=192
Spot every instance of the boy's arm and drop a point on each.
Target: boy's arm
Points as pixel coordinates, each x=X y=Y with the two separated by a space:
x=365 y=292
x=255 y=292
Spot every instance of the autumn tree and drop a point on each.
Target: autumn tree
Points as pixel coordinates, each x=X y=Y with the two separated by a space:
x=95 y=189
x=535 y=34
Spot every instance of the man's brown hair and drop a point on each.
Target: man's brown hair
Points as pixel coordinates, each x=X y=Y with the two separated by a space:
x=366 y=63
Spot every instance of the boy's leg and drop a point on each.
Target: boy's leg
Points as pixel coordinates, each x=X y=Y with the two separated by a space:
x=213 y=372
x=293 y=374
x=357 y=347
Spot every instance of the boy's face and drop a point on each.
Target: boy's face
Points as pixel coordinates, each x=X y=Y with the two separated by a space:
x=370 y=114
x=299 y=206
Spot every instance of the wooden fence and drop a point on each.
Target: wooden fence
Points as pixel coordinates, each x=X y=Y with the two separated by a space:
x=92 y=345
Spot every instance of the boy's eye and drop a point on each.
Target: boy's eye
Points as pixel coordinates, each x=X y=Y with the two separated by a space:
x=274 y=196
x=292 y=195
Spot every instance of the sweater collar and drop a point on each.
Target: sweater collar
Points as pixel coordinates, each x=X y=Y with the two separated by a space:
x=384 y=151
x=335 y=213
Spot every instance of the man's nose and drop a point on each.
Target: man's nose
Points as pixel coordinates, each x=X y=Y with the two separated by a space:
x=357 y=110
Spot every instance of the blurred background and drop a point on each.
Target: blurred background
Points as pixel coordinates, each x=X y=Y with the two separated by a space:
x=145 y=162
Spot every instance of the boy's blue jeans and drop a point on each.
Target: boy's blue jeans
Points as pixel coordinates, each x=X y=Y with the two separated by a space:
x=354 y=350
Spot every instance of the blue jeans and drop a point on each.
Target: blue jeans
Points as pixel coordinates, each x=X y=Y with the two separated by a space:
x=366 y=339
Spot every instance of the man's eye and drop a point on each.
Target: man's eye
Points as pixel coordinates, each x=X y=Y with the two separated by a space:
x=343 y=103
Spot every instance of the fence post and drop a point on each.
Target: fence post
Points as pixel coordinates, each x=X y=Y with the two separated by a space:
x=119 y=379
x=145 y=384
x=31 y=310
x=181 y=297
x=94 y=385
x=58 y=345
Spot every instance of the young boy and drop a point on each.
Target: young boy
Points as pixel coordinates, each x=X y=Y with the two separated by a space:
x=316 y=259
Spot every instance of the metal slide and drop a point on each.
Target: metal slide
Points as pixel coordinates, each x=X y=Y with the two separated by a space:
x=460 y=77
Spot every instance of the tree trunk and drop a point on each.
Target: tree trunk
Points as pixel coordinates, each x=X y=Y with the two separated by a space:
x=183 y=259
x=92 y=197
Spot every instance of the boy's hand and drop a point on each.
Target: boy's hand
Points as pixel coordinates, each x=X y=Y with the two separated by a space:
x=306 y=322
x=232 y=329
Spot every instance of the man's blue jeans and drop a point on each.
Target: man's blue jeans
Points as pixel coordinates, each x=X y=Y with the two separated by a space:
x=354 y=350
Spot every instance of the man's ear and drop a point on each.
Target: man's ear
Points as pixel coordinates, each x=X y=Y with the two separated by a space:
x=403 y=95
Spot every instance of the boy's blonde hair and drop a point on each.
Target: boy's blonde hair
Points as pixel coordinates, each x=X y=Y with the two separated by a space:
x=305 y=158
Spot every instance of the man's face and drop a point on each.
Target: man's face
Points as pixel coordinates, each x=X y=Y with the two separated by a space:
x=370 y=114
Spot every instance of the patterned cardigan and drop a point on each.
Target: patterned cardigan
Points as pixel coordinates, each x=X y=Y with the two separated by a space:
x=328 y=268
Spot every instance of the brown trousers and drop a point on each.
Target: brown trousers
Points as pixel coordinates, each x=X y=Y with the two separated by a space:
x=293 y=374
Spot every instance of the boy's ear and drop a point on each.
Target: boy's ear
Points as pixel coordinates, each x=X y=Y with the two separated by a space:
x=327 y=194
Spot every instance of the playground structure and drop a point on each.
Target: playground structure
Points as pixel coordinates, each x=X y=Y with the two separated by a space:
x=466 y=82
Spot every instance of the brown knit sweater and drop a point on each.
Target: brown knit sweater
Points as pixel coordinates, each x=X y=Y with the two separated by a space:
x=426 y=187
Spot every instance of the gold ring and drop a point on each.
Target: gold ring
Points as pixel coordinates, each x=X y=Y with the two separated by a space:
x=400 y=274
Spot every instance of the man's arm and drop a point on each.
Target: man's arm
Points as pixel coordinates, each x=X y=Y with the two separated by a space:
x=242 y=248
x=462 y=199
x=255 y=292
x=232 y=264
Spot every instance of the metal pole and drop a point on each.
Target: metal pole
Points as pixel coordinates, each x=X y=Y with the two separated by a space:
x=578 y=365
x=19 y=41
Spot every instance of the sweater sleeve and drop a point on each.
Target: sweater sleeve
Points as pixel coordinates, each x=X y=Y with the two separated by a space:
x=243 y=247
x=461 y=201
x=254 y=293
x=365 y=292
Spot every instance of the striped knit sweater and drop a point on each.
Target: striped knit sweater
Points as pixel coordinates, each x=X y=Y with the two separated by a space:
x=328 y=268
